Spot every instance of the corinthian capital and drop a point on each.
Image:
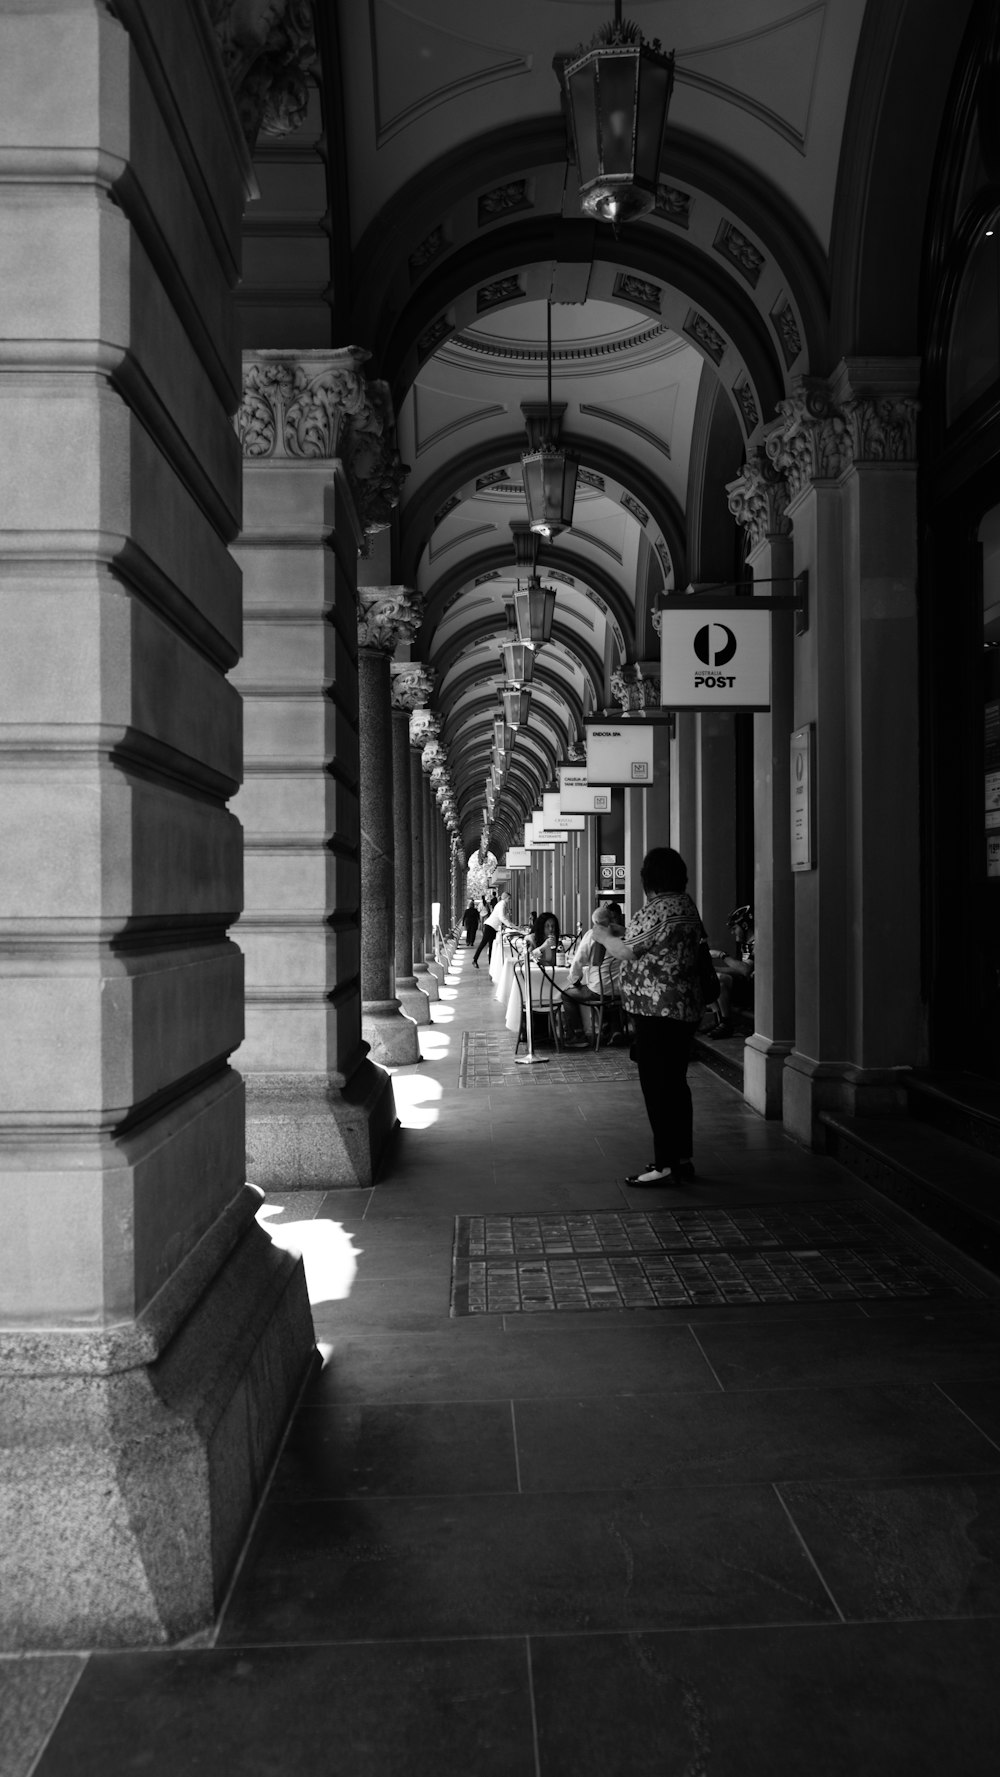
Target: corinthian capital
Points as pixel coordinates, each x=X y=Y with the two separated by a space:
x=387 y=615
x=634 y=689
x=425 y=726
x=411 y=685
x=434 y=756
x=877 y=397
x=268 y=50
x=811 y=441
x=758 y=498
x=374 y=467
x=299 y=404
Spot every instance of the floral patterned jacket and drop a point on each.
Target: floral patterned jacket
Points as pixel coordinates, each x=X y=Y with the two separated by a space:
x=662 y=981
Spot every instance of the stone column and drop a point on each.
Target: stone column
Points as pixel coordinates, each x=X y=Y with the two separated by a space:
x=758 y=499
x=319 y=1112
x=848 y=450
x=424 y=726
x=152 y=1339
x=386 y=616
x=410 y=687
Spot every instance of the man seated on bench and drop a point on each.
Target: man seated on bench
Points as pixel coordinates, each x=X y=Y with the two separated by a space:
x=735 y=974
x=583 y=990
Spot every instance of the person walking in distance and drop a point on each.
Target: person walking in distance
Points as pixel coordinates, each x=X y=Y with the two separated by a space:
x=470 y=920
x=660 y=988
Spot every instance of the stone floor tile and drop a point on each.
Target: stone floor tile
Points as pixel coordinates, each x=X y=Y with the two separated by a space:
x=907 y=1700
x=790 y=1434
x=386 y=1569
x=371 y=1711
x=34 y=1690
x=907 y=1549
x=493 y=1366
x=920 y=1347
x=348 y=1451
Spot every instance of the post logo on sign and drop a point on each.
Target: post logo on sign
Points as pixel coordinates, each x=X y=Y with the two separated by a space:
x=640 y=771
x=715 y=645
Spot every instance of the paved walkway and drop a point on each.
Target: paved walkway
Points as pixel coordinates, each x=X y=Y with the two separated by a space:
x=735 y=1537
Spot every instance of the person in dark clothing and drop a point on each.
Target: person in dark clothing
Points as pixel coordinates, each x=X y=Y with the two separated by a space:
x=661 y=989
x=470 y=920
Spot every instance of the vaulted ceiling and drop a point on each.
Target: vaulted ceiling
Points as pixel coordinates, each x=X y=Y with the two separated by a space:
x=427 y=209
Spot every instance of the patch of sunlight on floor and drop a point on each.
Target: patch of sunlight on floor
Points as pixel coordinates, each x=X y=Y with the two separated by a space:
x=326 y=1249
x=434 y=1044
x=441 y=1015
x=415 y=1099
x=448 y=993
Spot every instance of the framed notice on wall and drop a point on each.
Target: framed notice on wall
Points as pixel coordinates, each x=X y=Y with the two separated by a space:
x=802 y=807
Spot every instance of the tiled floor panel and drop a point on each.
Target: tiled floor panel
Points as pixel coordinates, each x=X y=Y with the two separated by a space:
x=488 y=1060
x=687 y=1258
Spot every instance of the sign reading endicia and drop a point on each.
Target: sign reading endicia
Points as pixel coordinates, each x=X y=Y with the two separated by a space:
x=578 y=796
x=802 y=799
x=620 y=753
x=715 y=659
x=518 y=858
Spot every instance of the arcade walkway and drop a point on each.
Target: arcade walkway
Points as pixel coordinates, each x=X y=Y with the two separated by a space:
x=761 y=1537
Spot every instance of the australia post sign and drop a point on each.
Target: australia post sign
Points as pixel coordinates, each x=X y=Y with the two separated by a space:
x=716 y=659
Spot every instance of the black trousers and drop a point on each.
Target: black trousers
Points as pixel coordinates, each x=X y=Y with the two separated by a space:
x=485 y=943
x=662 y=1050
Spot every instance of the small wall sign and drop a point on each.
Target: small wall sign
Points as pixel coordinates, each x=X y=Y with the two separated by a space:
x=803 y=848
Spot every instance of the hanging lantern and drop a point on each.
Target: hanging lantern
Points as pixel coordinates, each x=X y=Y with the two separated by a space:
x=518 y=661
x=535 y=606
x=515 y=706
x=549 y=477
x=499 y=733
x=618 y=95
x=548 y=474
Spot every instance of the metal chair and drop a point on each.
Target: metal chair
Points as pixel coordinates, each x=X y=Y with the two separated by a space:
x=550 y=1000
x=610 y=1016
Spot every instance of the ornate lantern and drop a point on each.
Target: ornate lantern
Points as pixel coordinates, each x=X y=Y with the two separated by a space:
x=534 y=606
x=618 y=94
x=515 y=706
x=518 y=660
x=549 y=475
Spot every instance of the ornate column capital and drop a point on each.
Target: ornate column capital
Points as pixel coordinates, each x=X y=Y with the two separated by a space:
x=758 y=498
x=412 y=685
x=634 y=689
x=317 y=405
x=878 y=398
x=811 y=440
x=576 y=752
x=433 y=756
x=268 y=50
x=425 y=726
x=387 y=615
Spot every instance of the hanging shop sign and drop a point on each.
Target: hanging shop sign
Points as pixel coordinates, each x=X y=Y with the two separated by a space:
x=555 y=818
x=535 y=837
x=620 y=753
x=715 y=659
x=803 y=851
x=578 y=796
x=518 y=858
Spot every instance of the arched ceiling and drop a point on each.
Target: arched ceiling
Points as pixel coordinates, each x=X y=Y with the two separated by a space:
x=453 y=220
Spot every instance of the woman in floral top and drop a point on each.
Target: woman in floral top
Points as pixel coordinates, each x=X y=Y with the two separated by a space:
x=660 y=988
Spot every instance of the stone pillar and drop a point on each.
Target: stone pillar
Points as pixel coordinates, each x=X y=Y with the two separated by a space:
x=410 y=688
x=319 y=1112
x=386 y=616
x=847 y=451
x=758 y=499
x=152 y=1339
x=424 y=726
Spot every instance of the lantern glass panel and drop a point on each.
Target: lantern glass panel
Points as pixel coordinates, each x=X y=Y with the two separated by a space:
x=582 y=85
x=616 y=105
x=656 y=79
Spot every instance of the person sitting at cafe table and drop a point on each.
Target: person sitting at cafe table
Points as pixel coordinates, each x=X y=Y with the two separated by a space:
x=544 y=939
x=735 y=974
x=590 y=970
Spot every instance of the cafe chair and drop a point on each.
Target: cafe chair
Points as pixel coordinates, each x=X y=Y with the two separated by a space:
x=550 y=999
x=540 y=1027
x=609 y=1015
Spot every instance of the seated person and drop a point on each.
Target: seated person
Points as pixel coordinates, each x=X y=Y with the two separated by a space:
x=588 y=972
x=735 y=974
x=544 y=939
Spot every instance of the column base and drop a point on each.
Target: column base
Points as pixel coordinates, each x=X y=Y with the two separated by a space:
x=390 y=1035
x=810 y=1087
x=136 y=1455
x=306 y=1134
x=763 y=1073
x=415 y=1004
x=426 y=982
x=438 y=972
